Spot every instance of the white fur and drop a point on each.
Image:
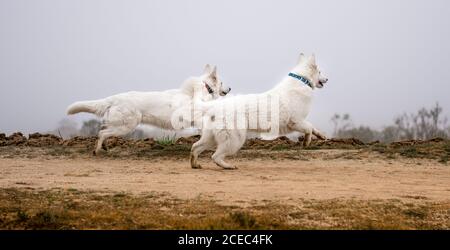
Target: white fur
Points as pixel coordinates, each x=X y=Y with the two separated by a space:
x=288 y=115
x=122 y=113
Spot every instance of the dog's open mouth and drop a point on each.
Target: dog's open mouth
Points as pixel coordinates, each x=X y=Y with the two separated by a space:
x=223 y=93
x=321 y=84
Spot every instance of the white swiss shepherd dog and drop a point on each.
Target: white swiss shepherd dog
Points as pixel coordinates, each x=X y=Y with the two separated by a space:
x=122 y=113
x=279 y=111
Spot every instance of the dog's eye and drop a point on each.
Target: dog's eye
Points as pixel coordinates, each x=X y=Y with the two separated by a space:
x=214 y=78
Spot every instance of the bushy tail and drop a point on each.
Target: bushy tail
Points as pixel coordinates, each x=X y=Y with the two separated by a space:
x=97 y=107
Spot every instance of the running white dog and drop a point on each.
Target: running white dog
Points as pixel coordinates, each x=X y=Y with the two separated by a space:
x=122 y=113
x=286 y=106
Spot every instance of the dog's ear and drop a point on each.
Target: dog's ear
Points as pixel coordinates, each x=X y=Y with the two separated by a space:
x=301 y=57
x=312 y=59
x=214 y=71
x=207 y=69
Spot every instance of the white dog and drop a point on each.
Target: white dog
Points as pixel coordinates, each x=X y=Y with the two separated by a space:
x=122 y=113
x=287 y=105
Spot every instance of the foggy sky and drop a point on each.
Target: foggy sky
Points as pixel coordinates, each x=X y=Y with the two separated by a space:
x=382 y=57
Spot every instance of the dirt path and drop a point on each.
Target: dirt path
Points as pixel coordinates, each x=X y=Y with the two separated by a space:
x=256 y=180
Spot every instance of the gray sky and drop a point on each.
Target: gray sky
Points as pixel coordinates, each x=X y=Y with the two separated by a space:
x=382 y=57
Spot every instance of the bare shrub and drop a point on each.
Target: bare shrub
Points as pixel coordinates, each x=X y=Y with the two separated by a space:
x=424 y=125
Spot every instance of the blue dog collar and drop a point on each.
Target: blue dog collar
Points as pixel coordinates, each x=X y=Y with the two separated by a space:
x=301 y=78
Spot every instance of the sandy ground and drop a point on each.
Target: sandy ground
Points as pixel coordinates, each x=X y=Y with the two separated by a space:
x=257 y=180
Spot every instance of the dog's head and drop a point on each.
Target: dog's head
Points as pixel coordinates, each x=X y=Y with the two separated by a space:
x=212 y=82
x=307 y=67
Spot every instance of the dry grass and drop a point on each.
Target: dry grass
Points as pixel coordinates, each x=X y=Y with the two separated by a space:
x=437 y=149
x=72 y=209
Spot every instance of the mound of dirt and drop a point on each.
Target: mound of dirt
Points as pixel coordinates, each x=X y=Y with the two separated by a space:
x=80 y=142
x=43 y=140
x=89 y=142
x=415 y=142
x=14 y=139
x=284 y=142
x=115 y=142
x=48 y=140
x=129 y=143
x=143 y=143
x=338 y=142
x=187 y=140
x=269 y=144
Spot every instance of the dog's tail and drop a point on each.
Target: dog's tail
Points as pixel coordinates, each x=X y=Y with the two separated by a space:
x=97 y=107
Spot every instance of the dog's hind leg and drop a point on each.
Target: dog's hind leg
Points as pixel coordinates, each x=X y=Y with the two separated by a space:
x=229 y=142
x=118 y=122
x=307 y=140
x=219 y=157
x=206 y=142
x=108 y=132
x=102 y=136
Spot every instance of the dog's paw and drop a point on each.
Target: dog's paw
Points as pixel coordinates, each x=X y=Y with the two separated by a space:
x=323 y=138
x=197 y=166
x=230 y=168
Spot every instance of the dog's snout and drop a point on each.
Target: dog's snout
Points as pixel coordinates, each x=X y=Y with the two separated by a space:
x=225 y=91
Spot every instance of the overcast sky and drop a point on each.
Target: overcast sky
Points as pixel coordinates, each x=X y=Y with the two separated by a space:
x=382 y=57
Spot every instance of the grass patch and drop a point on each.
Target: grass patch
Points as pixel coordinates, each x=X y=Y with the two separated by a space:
x=166 y=140
x=58 y=151
x=46 y=220
x=444 y=159
x=312 y=147
x=422 y=150
x=410 y=152
x=281 y=147
x=380 y=148
x=243 y=219
x=59 y=209
x=179 y=148
x=22 y=216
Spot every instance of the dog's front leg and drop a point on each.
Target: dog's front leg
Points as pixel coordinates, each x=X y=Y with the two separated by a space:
x=319 y=134
x=307 y=140
x=306 y=128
